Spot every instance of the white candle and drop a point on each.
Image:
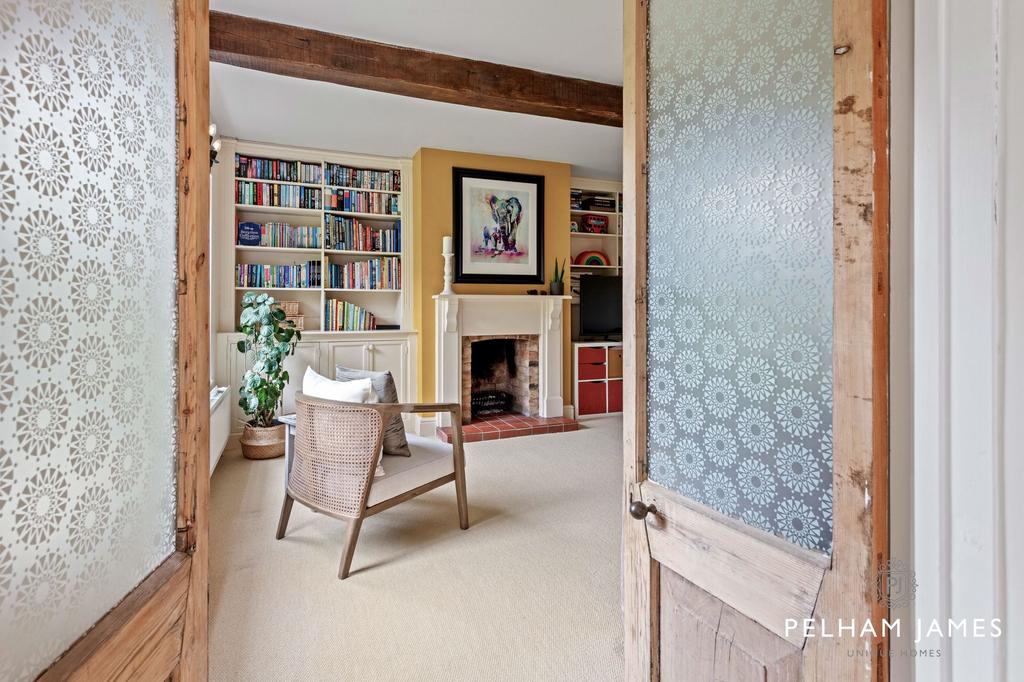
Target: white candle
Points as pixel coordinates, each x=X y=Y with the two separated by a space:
x=446 y=244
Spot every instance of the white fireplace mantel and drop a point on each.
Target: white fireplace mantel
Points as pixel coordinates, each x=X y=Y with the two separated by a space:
x=459 y=315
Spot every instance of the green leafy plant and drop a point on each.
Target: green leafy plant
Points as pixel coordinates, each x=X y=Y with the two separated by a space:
x=271 y=338
x=559 y=272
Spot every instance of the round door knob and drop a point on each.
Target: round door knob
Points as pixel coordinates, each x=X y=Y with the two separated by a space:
x=370 y=347
x=638 y=510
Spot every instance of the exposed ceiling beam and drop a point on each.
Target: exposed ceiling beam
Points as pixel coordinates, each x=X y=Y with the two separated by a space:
x=315 y=55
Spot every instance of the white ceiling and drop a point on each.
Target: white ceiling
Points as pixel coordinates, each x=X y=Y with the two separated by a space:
x=580 y=38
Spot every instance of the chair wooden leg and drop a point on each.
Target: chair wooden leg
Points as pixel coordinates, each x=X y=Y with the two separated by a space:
x=351 y=536
x=286 y=512
x=460 y=496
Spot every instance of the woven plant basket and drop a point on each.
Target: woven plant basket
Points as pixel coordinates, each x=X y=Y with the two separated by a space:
x=263 y=442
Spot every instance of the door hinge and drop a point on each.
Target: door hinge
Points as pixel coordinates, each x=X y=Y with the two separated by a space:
x=186 y=538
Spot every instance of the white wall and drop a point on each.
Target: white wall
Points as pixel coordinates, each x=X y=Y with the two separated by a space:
x=901 y=259
x=968 y=330
x=1011 y=428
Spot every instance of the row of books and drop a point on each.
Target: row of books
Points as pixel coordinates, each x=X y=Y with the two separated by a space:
x=362 y=202
x=345 y=176
x=342 y=316
x=278 y=235
x=351 y=234
x=266 y=194
x=302 y=276
x=376 y=273
x=598 y=203
x=276 y=169
x=575 y=199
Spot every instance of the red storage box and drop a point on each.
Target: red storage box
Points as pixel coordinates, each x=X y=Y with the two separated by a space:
x=592 y=398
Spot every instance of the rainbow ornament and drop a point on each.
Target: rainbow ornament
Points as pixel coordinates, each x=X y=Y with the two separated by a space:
x=591 y=258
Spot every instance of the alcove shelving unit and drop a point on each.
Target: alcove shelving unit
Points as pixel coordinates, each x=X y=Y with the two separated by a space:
x=584 y=194
x=377 y=187
x=302 y=199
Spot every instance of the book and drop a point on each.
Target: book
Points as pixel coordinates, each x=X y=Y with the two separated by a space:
x=359 y=178
x=598 y=204
x=249 y=234
x=300 y=276
x=276 y=234
x=351 y=234
x=276 y=169
x=283 y=196
x=358 y=201
x=376 y=273
x=345 y=316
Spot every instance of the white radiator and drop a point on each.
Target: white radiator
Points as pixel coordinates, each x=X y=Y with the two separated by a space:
x=220 y=424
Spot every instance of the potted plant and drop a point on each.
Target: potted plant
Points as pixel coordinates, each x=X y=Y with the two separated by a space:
x=271 y=338
x=557 y=286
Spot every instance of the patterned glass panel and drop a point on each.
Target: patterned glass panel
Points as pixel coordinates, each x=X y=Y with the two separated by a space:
x=740 y=262
x=87 y=301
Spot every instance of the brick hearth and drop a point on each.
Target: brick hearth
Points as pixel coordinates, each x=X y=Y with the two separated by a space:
x=495 y=426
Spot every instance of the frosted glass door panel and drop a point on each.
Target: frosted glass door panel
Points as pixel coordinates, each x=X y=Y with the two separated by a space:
x=87 y=301
x=740 y=260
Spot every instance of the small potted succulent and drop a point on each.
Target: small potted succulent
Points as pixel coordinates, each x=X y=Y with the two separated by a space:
x=270 y=338
x=557 y=286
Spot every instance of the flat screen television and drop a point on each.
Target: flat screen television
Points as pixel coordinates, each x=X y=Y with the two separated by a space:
x=600 y=306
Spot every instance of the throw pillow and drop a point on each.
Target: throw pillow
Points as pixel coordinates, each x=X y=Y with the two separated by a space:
x=383 y=384
x=357 y=391
x=318 y=386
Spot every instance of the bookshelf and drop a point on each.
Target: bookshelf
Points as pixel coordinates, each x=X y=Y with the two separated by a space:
x=329 y=230
x=594 y=201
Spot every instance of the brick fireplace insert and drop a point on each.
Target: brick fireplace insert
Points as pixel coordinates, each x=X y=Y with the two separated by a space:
x=500 y=374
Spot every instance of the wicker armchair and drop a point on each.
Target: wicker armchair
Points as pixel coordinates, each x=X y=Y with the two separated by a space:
x=337 y=446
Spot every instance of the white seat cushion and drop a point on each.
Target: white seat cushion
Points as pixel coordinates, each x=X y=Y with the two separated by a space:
x=431 y=459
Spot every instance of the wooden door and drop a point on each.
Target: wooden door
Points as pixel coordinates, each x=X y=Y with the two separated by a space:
x=158 y=631
x=756 y=238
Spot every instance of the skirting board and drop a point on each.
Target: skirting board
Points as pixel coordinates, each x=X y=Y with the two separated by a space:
x=424 y=425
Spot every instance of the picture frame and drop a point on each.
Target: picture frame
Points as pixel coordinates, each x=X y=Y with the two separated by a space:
x=498 y=227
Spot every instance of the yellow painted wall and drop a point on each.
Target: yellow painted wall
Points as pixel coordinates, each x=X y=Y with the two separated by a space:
x=432 y=209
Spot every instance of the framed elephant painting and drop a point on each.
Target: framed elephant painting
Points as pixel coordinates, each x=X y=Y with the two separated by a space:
x=498 y=223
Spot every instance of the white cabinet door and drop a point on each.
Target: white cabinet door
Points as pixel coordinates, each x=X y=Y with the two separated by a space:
x=391 y=356
x=307 y=354
x=351 y=354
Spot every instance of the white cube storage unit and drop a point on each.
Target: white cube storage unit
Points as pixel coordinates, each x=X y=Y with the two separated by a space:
x=597 y=377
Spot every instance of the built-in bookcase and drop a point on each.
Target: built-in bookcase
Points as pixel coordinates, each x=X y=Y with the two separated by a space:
x=596 y=201
x=333 y=233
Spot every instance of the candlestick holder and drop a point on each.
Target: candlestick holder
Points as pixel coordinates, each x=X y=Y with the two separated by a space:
x=447 y=255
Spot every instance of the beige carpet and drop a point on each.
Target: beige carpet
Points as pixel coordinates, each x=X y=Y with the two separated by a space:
x=529 y=592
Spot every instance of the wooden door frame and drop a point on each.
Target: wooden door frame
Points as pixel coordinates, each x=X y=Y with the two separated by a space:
x=860 y=350
x=160 y=630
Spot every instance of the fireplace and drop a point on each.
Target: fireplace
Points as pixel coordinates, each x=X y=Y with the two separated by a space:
x=500 y=374
x=460 y=319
